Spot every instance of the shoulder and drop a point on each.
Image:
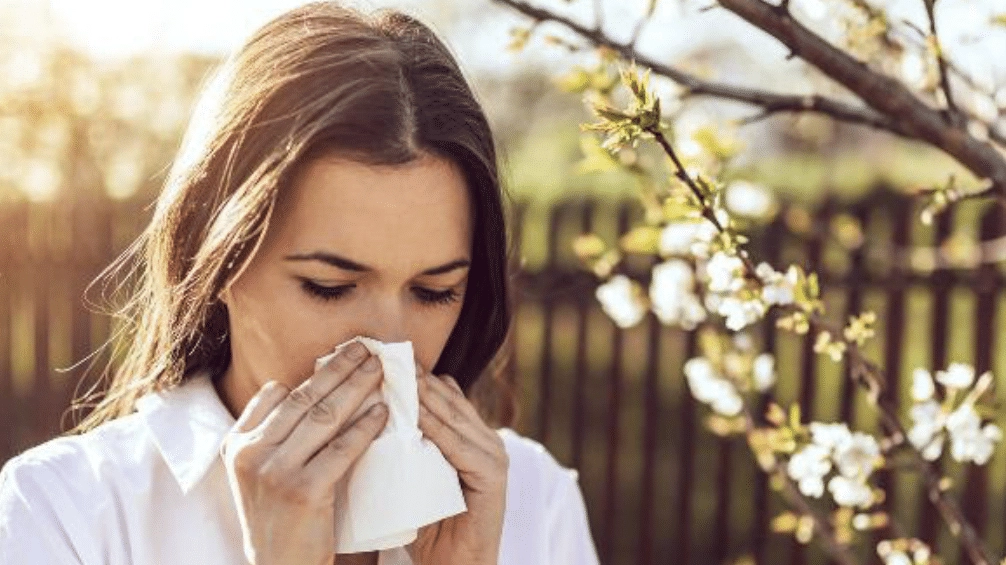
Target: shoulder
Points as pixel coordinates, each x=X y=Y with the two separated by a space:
x=533 y=467
x=76 y=464
x=546 y=516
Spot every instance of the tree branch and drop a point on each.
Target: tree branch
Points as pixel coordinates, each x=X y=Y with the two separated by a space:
x=952 y=114
x=770 y=102
x=882 y=93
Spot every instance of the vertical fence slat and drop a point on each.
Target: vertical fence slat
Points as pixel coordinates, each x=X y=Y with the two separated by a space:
x=940 y=286
x=856 y=281
x=986 y=288
x=772 y=251
x=40 y=261
x=894 y=342
x=8 y=419
x=651 y=414
x=808 y=357
x=583 y=307
x=507 y=408
x=614 y=409
x=682 y=553
x=548 y=305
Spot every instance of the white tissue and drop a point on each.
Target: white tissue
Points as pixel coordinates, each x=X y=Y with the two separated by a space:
x=402 y=481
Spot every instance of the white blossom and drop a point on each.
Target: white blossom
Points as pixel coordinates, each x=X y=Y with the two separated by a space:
x=808 y=467
x=763 y=371
x=850 y=492
x=777 y=288
x=724 y=271
x=746 y=198
x=829 y=436
x=677 y=237
x=922 y=385
x=897 y=558
x=672 y=295
x=925 y=432
x=969 y=441
x=957 y=375
x=740 y=313
x=620 y=300
x=857 y=457
x=687 y=236
x=709 y=387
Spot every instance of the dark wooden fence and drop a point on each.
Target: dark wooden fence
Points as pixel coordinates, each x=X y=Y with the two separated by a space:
x=610 y=402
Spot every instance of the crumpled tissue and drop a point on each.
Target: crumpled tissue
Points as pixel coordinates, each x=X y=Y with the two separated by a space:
x=402 y=481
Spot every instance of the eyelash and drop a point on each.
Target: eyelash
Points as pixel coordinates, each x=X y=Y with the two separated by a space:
x=426 y=296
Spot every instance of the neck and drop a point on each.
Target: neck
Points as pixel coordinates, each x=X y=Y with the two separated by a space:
x=233 y=392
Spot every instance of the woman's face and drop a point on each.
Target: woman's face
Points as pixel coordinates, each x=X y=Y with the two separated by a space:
x=351 y=249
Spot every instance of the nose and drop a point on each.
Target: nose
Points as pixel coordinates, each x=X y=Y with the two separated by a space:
x=386 y=321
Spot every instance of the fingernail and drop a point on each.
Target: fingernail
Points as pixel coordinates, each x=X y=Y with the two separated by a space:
x=356 y=351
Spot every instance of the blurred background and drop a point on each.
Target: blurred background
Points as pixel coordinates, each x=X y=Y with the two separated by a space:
x=94 y=96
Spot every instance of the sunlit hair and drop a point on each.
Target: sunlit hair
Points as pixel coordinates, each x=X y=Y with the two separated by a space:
x=378 y=88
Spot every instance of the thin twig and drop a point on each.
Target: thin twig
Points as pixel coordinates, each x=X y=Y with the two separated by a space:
x=838 y=551
x=641 y=23
x=770 y=101
x=951 y=113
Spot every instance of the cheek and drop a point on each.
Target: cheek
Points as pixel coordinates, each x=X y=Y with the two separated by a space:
x=276 y=331
x=431 y=335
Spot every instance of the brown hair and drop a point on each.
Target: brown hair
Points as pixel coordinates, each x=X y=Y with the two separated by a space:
x=378 y=88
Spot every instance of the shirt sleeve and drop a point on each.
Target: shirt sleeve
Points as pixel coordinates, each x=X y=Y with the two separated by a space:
x=570 y=541
x=34 y=528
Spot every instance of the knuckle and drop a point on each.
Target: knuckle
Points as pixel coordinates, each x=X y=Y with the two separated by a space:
x=302 y=397
x=464 y=444
x=244 y=462
x=274 y=387
x=341 y=443
x=343 y=365
x=296 y=492
x=324 y=412
x=503 y=460
x=457 y=415
x=271 y=478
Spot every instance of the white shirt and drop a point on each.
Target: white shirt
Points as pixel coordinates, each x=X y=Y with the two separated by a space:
x=151 y=488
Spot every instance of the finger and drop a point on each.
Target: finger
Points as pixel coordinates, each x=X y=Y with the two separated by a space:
x=327 y=417
x=452 y=422
x=451 y=382
x=458 y=447
x=281 y=421
x=264 y=401
x=329 y=465
x=453 y=395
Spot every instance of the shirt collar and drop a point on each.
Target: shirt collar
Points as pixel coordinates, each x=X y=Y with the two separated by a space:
x=188 y=424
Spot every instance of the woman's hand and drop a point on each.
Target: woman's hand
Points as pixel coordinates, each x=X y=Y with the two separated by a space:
x=289 y=449
x=477 y=452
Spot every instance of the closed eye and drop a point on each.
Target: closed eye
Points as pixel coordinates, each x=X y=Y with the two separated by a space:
x=425 y=295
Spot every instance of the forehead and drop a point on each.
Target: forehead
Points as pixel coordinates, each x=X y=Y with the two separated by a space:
x=410 y=215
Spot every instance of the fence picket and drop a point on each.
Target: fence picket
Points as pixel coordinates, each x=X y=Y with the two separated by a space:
x=986 y=286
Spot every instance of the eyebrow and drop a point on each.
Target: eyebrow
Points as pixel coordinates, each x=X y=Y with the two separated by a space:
x=350 y=265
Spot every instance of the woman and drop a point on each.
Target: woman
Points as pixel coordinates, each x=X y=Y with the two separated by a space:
x=338 y=179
